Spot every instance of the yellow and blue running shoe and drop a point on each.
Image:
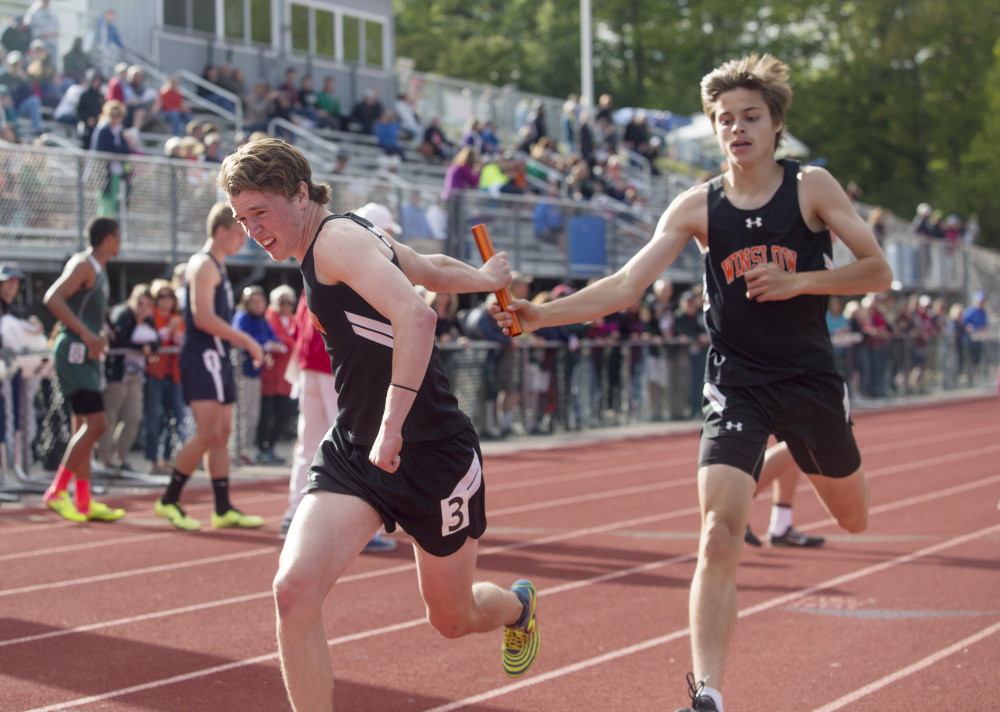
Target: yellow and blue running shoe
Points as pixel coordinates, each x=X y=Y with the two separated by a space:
x=520 y=641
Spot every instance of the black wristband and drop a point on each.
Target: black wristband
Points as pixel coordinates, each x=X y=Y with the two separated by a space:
x=405 y=388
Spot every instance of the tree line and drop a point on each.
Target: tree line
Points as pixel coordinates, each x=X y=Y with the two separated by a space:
x=899 y=96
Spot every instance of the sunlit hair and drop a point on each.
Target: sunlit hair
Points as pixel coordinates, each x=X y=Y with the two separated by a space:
x=249 y=293
x=138 y=292
x=221 y=215
x=765 y=74
x=270 y=166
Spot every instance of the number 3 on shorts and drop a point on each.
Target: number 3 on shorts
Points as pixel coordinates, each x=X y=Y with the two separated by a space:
x=455 y=507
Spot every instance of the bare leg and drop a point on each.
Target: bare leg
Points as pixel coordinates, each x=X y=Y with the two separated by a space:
x=456 y=606
x=725 y=494
x=845 y=498
x=213 y=423
x=326 y=535
x=87 y=430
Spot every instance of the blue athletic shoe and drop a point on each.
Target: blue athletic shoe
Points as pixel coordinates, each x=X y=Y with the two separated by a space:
x=520 y=642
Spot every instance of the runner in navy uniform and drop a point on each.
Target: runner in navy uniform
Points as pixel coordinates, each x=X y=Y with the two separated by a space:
x=400 y=451
x=764 y=230
x=207 y=379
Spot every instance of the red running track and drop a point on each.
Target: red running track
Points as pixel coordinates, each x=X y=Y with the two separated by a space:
x=135 y=616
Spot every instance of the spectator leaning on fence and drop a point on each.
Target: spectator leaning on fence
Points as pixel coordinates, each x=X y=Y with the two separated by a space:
x=130 y=328
x=164 y=408
x=277 y=407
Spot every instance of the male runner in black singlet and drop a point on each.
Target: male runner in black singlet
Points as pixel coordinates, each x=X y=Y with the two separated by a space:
x=400 y=451
x=763 y=228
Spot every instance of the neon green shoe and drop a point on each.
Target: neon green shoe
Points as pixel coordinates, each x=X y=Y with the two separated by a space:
x=175 y=515
x=103 y=513
x=234 y=518
x=520 y=643
x=65 y=508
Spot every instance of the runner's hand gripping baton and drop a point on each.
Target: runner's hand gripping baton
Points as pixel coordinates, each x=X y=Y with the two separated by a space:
x=486 y=251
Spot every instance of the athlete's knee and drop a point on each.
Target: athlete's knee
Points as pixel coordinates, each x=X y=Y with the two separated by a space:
x=854 y=522
x=720 y=542
x=450 y=624
x=295 y=595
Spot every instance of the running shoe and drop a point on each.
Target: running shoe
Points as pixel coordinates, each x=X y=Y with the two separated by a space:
x=520 y=642
x=750 y=538
x=234 y=518
x=379 y=543
x=64 y=507
x=793 y=537
x=101 y=512
x=699 y=702
x=176 y=516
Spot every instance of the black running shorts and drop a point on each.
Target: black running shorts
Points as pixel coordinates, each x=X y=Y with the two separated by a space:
x=437 y=495
x=812 y=414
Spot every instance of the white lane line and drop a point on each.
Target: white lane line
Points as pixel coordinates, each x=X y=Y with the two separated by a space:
x=753 y=610
x=908 y=670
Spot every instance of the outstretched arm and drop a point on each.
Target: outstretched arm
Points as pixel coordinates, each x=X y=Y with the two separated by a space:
x=440 y=273
x=686 y=217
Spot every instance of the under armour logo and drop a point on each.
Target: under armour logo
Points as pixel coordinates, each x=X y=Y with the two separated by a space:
x=755 y=222
x=730 y=425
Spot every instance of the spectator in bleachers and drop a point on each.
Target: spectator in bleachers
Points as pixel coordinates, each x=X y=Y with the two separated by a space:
x=16 y=36
x=25 y=103
x=213 y=148
x=328 y=105
x=258 y=106
x=42 y=72
x=66 y=110
x=44 y=24
x=90 y=106
x=463 y=173
x=231 y=79
x=138 y=98
x=435 y=144
x=536 y=120
x=116 y=85
x=164 y=407
x=415 y=227
x=308 y=104
x=387 y=133
x=567 y=123
x=581 y=183
x=490 y=140
x=277 y=408
x=110 y=137
x=130 y=326
x=289 y=88
x=76 y=62
x=211 y=75
x=605 y=109
x=409 y=122
x=172 y=106
x=585 y=137
x=106 y=35
x=472 y=136
x=365 y=113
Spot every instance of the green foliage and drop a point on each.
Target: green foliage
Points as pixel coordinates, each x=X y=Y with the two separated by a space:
x=892 y=93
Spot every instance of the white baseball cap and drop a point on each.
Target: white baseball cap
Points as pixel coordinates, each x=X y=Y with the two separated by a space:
x=381 y=217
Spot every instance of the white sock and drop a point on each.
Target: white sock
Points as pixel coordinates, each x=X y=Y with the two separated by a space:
x=781 y=519
x=715 y=695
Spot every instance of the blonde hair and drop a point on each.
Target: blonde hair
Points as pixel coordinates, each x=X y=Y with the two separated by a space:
x=763 y=73
x=221 y=215
x=270 y=166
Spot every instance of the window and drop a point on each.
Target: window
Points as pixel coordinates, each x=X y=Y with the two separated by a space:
x=352 y=39
x=189 y=15
x=324 y=34
x=260 y=21
x=235 y=22
x=300 y=28
x=373 y=44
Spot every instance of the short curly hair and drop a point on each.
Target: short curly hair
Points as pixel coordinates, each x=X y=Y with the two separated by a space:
x=270 y=165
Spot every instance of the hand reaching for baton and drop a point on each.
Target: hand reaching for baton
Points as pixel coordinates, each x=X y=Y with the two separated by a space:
x=486 y=251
